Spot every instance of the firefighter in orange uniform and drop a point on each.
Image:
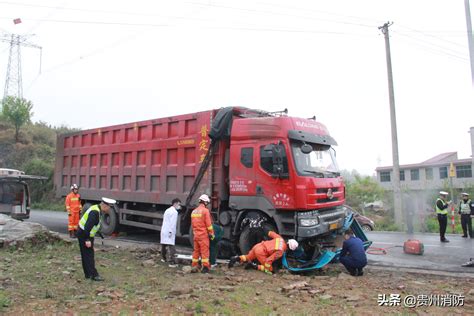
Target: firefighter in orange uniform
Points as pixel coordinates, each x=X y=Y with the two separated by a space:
x=202 y=230
x=73 y=208
x=265 y=252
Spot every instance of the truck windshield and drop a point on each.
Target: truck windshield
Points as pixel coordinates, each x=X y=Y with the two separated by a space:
x=321 y=162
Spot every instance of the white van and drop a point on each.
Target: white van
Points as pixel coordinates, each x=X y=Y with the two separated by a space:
x=14 y=193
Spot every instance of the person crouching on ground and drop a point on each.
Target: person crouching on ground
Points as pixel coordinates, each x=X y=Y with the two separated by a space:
x=201 y=223
x=89 y=226
x=265 y=252
x=353 y=255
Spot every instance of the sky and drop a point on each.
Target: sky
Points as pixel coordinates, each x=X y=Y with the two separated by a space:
x=111 y=62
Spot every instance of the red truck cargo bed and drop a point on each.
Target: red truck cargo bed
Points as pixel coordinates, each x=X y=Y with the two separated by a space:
x=151 y=161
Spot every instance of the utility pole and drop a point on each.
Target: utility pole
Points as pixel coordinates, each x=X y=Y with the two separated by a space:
x=13 y=82
x=469 y=37
x=397 y=200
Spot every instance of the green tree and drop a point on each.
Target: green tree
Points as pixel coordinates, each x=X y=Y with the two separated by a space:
x=17 y=111
x=363 y=189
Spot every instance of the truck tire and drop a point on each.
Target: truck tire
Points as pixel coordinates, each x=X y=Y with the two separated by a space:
x=85 y=207
x=225 y=249
x=191 y=236
x=109 y=223
x=366 y=228
x=249 y=237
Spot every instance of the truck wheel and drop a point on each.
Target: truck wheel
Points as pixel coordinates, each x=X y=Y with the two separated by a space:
x=109 y=222
x=225 y=249
x=85 y=207
x=191 y=236
x=250 y=237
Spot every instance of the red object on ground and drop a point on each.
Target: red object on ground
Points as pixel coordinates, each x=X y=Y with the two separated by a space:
x=17 y=21
x=413 y=247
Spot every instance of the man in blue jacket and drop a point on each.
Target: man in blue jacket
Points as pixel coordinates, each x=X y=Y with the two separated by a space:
x=353 y=255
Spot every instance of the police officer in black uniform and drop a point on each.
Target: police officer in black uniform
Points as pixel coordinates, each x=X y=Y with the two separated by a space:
x=466 y=209
x=89 y=226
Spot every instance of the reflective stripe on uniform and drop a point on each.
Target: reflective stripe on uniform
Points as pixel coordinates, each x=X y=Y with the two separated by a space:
x=278 y=244
x=82 y=222
x=465 y=208
x=210 y=228
x=204 y=260
x=440 y=211
x=74 y=199
x=196 y=215
x=267 y=265
x=195 y=260
x=261 y=268
x=243 y=258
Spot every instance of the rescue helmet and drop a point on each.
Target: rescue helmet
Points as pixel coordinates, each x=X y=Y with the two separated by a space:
x=443 y=193
x=74 y=187
x=204 y=198
x=465 y=194
x=292 y=244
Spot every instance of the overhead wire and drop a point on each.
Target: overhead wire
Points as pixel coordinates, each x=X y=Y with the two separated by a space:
x=432 y=36
x=320 y=11
x=440 y=49
x=99 y=11
x=431 y=49
x=277 y=13
x=264 y=29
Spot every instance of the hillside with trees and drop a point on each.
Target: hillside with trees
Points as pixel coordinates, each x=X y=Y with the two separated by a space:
x=28 y=146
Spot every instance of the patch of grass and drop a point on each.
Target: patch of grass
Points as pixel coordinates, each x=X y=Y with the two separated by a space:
x=49 y=206
x=386 y=224
x=432 y=225
x=198 y=308
x=4 y=301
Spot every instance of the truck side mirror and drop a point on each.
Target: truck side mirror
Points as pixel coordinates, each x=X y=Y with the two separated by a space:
x=306 y=149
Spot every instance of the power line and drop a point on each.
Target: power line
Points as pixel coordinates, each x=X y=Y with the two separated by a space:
x=444 y=50
x=278 y=14
x=320 y=11
x=202 y=27
x=99 y=11
x=433 y=36
x=434 y=51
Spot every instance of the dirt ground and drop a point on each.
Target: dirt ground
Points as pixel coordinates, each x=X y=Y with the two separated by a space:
x=49 y=280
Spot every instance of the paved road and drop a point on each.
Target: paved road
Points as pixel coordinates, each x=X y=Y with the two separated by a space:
x=438 y=256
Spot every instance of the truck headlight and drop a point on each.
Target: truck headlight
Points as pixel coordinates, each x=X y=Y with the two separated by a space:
x=309 y=222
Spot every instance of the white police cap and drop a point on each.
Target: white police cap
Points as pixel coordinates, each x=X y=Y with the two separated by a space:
x=108 y=201
x=443 y=193
x=464 y=193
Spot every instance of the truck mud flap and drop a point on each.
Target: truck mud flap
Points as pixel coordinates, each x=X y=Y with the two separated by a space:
x=328 y=256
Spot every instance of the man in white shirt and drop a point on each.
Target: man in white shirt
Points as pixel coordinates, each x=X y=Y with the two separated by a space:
x=168 y=232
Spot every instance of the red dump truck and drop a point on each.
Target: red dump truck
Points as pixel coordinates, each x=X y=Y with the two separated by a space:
x=253 y=164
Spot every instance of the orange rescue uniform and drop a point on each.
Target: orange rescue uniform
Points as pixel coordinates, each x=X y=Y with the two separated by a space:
x=73 y=207
x=202 y=227
x=266 y=252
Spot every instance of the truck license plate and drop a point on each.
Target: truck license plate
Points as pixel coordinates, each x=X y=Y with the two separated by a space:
x=333 y=226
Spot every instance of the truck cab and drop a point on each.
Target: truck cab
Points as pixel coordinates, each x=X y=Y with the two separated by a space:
x=285 y=169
